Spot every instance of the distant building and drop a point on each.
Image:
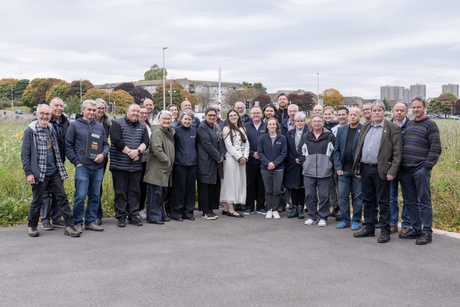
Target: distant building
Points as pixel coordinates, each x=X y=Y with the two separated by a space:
x=418 y=90
x=390 y=92
x=450 y=88
x=208 y=88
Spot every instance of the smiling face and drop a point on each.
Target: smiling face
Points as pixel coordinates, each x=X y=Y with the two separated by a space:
x=256 y=115
x=272 y=125
x=211 y=117
x=89 y=112
x=100 y=110
x=174 y=111
x=418 y=109
x=57 y=108
x=133 y=113
x=342 y=117
x=149 y=105
x=233 y=117
x=165 y=120
x=269 y=112
x=318 y=109
x=282 y=102
x=43 y=115
x=317 y=124
x=144 y=115
x=328 y=115
x=186 y=121
x=299 y=124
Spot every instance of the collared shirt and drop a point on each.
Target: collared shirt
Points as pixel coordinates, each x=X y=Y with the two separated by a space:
x=371 y=144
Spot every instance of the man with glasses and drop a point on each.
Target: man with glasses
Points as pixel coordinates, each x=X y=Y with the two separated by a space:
x=44 y=170
x=240 y=107
x=50 y=209
x=219 y=120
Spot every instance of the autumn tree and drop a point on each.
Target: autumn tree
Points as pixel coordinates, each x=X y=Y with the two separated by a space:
x=442 y=104
x=155 y=73
x=58 y=90
x=74 y=89
x=241 y=95
x=35 y=93
x=305 y=101
x=263 y=100
x=332 y=97
x=179 y=94
x=121 y=98
x=7 y=88
x=456 y=107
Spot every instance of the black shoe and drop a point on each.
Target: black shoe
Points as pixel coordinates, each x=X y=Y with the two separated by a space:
x=364 y=233
x=135 y=221
x=190 y=218
x=282 y=208
x=99 y=221
x=177 y=219
x=224 y=212
x=384 y=238
x=424 y=239
x=158 y=223
x=58 y=224
x=411 y=234
x=378 y=225
x=166 y=219
x=121 y=222
x=32 y=231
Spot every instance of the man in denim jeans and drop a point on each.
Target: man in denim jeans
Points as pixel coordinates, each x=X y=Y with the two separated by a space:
x=420 y=153
x=348 y=183
x=89 y=166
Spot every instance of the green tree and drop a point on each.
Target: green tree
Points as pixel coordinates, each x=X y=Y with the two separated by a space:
x=155 y=73
x=258 y=86
x=7 y=88
x=20 y=88
x=442 y=104
x=387 y=106
x=332 y=97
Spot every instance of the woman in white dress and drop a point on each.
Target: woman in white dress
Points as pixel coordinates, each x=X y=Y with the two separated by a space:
x=233 y=189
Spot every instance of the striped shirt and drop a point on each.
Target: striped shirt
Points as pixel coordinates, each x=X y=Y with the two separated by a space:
x=421 y=144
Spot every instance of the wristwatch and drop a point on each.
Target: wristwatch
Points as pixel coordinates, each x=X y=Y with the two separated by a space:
x=139 y=151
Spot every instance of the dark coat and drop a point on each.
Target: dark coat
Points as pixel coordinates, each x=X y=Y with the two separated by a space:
x=210 y=149
x=253 y=137
x=269 y=152
x=390 y=150
x=340 y=144
x=293 y=177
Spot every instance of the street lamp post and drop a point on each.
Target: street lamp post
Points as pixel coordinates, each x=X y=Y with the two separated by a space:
x=164 y=80
x=319 y=102
x=170 y=92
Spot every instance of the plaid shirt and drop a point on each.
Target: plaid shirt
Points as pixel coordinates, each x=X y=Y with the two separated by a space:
x=41 y=141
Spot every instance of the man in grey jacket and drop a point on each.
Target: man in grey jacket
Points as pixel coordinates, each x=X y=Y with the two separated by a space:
x=44 y=169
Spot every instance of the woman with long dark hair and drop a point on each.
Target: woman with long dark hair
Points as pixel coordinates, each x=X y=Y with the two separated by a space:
x=233 y=189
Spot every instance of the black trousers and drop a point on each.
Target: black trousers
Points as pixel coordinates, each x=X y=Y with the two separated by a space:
x=298 y=196
x=376 y=195
x=143 y=187
x=183 y=191
x=255 y=189
x=54 y=185
x=208 y=196
x=126 y=186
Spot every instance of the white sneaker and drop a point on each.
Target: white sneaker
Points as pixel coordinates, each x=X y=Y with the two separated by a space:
x=322 y=223
x=310 y=222
x=269 y=214
x=276 y=215
x=142 y=215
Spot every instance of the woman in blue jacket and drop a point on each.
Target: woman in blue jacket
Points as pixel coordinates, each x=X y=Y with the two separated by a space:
x=272 y=151
x=184 y=172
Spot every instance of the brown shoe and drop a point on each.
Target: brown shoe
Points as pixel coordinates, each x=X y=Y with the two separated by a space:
x=393 y=229
x=405 y=230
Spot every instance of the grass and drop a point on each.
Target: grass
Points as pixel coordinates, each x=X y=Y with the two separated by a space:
x=16 y=193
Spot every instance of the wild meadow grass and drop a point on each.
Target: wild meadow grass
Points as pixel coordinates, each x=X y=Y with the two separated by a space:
x=15 y=192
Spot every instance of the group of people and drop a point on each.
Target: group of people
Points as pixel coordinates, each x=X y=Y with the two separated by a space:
x=260 y=162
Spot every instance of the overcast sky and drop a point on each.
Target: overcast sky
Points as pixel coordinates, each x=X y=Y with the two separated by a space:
x=356 y=46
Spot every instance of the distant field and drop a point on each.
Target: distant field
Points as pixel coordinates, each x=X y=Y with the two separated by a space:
x=16 y=193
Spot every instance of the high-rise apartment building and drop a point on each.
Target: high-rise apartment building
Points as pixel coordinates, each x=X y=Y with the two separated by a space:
x=418 y=90
x=390 y=92
x=450 y=88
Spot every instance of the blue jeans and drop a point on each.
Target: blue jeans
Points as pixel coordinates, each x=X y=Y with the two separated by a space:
x=415 y=186
x=273 y=180
x=349 y=183
x=394 y=206
x=87 y=183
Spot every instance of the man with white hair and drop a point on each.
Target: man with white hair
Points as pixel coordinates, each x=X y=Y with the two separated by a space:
x=240 y=107
x=187 y=105
x=44 y=170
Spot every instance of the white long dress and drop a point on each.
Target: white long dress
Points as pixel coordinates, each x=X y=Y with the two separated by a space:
x=233 y=186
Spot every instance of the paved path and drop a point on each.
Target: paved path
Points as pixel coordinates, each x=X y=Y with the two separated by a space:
x=227 y=262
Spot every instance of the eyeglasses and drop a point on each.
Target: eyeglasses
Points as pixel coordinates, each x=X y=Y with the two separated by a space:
x=211 y=115
x=44 y=114
x=101 y=108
